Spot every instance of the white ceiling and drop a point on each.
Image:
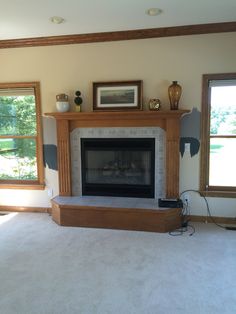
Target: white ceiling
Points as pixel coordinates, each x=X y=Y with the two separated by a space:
x=31 y=18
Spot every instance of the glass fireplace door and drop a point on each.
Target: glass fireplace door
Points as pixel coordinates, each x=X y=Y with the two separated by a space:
x=118 y=167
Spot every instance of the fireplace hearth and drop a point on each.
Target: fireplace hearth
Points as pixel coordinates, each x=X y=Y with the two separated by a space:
x=121 y=167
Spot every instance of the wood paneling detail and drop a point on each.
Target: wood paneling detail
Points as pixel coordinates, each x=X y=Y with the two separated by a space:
x=172 y=158
x=120 y=35
x=63 y=157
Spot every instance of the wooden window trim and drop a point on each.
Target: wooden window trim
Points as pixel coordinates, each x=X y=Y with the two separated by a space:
x=28 y=184
x=23 y=186
x=205 y=190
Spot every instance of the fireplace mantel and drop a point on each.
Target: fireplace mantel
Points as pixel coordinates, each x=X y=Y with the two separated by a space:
x=169 y=120
x=118 y=119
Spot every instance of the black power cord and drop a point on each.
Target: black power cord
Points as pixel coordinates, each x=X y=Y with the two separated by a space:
x=182 y=230
x=208 y=209
x=185 y=226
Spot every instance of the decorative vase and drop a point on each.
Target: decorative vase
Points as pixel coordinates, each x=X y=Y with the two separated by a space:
x=154 y=104
x=62 y=103
x=174 y=92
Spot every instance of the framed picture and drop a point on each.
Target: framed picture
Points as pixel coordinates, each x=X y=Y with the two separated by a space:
x=125 y=95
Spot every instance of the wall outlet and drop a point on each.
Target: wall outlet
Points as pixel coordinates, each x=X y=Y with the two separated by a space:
x=187 y=147
x=50 y=192
x=186 y=198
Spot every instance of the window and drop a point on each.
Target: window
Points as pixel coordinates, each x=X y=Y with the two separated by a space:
x=21 y=162
x=218 y=143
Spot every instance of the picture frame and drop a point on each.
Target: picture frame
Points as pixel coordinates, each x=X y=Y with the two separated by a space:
x=117 y=96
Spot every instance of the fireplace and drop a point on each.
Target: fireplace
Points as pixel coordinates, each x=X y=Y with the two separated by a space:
x=71 y=126
x=71 y=208
x=118 y=167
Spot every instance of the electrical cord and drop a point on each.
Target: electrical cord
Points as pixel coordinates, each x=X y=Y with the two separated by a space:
x=185 y=226
x=185 y=214
x=180 y=231
x=207 y=207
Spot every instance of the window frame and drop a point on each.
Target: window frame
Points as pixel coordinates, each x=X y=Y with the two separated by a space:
x=205 y=189
x=29 y=184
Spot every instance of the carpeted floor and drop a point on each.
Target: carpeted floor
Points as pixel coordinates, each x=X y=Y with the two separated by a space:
x=45 y=268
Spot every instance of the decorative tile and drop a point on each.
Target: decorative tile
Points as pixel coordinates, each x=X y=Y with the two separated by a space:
x=119 y=132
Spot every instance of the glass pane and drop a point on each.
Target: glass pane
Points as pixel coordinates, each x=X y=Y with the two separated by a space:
x=118 y=167
x=18 y=159
x=223 y=110
x=17 y=115
x=222 y=162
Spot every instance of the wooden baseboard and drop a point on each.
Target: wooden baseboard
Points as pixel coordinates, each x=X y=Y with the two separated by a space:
x=25 y=209
x=220 y=220
x=193 y=218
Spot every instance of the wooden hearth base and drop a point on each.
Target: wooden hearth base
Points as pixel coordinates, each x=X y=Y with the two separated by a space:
x=158 y=220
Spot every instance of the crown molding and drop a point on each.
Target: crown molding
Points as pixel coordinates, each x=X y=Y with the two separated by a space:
x=120 y=35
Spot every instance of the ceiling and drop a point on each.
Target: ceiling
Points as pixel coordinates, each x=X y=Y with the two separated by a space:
x=31 y=18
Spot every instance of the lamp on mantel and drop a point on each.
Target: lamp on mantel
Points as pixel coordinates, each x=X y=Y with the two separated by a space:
x=174 y=93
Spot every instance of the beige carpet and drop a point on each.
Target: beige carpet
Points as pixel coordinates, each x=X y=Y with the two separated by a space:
x=45 y=268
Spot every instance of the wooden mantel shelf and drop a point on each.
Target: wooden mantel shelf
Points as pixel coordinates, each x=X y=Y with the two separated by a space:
x=115 y=114
x=169 y=120
x=117 y=118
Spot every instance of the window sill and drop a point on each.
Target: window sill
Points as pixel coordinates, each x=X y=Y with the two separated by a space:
x=226 y=194
x=22 y=186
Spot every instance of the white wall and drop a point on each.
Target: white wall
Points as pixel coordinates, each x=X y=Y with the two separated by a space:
x=65 y=69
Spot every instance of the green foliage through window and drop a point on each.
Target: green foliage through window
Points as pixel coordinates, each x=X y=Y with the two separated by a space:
x=18 y=130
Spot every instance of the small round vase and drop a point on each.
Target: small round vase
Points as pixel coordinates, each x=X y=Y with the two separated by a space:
x=154 y=104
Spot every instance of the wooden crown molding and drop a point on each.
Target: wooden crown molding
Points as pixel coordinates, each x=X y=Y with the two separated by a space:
x=120 y=35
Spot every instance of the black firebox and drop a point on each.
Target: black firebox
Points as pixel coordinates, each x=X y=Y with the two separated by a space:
x=118 y=167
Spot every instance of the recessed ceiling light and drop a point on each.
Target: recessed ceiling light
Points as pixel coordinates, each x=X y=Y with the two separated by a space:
x=57 y=19
x=153 y=11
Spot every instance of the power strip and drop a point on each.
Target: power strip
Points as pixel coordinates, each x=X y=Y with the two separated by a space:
x=170 y=202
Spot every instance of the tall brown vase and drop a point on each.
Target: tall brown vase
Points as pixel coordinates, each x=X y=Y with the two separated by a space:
x=174 y=92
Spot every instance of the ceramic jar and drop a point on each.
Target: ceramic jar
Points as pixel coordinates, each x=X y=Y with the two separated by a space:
x=62 y=103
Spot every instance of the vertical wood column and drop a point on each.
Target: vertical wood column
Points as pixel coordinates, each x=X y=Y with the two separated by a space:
x=172 y=158
x=63 y=157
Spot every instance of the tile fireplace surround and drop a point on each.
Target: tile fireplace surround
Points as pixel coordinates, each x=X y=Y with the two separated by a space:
x=71 y=209
x=118 y=132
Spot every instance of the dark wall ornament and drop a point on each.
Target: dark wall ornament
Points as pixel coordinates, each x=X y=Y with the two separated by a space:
x=50 y=156
x=190 y=132
x=49 y=143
